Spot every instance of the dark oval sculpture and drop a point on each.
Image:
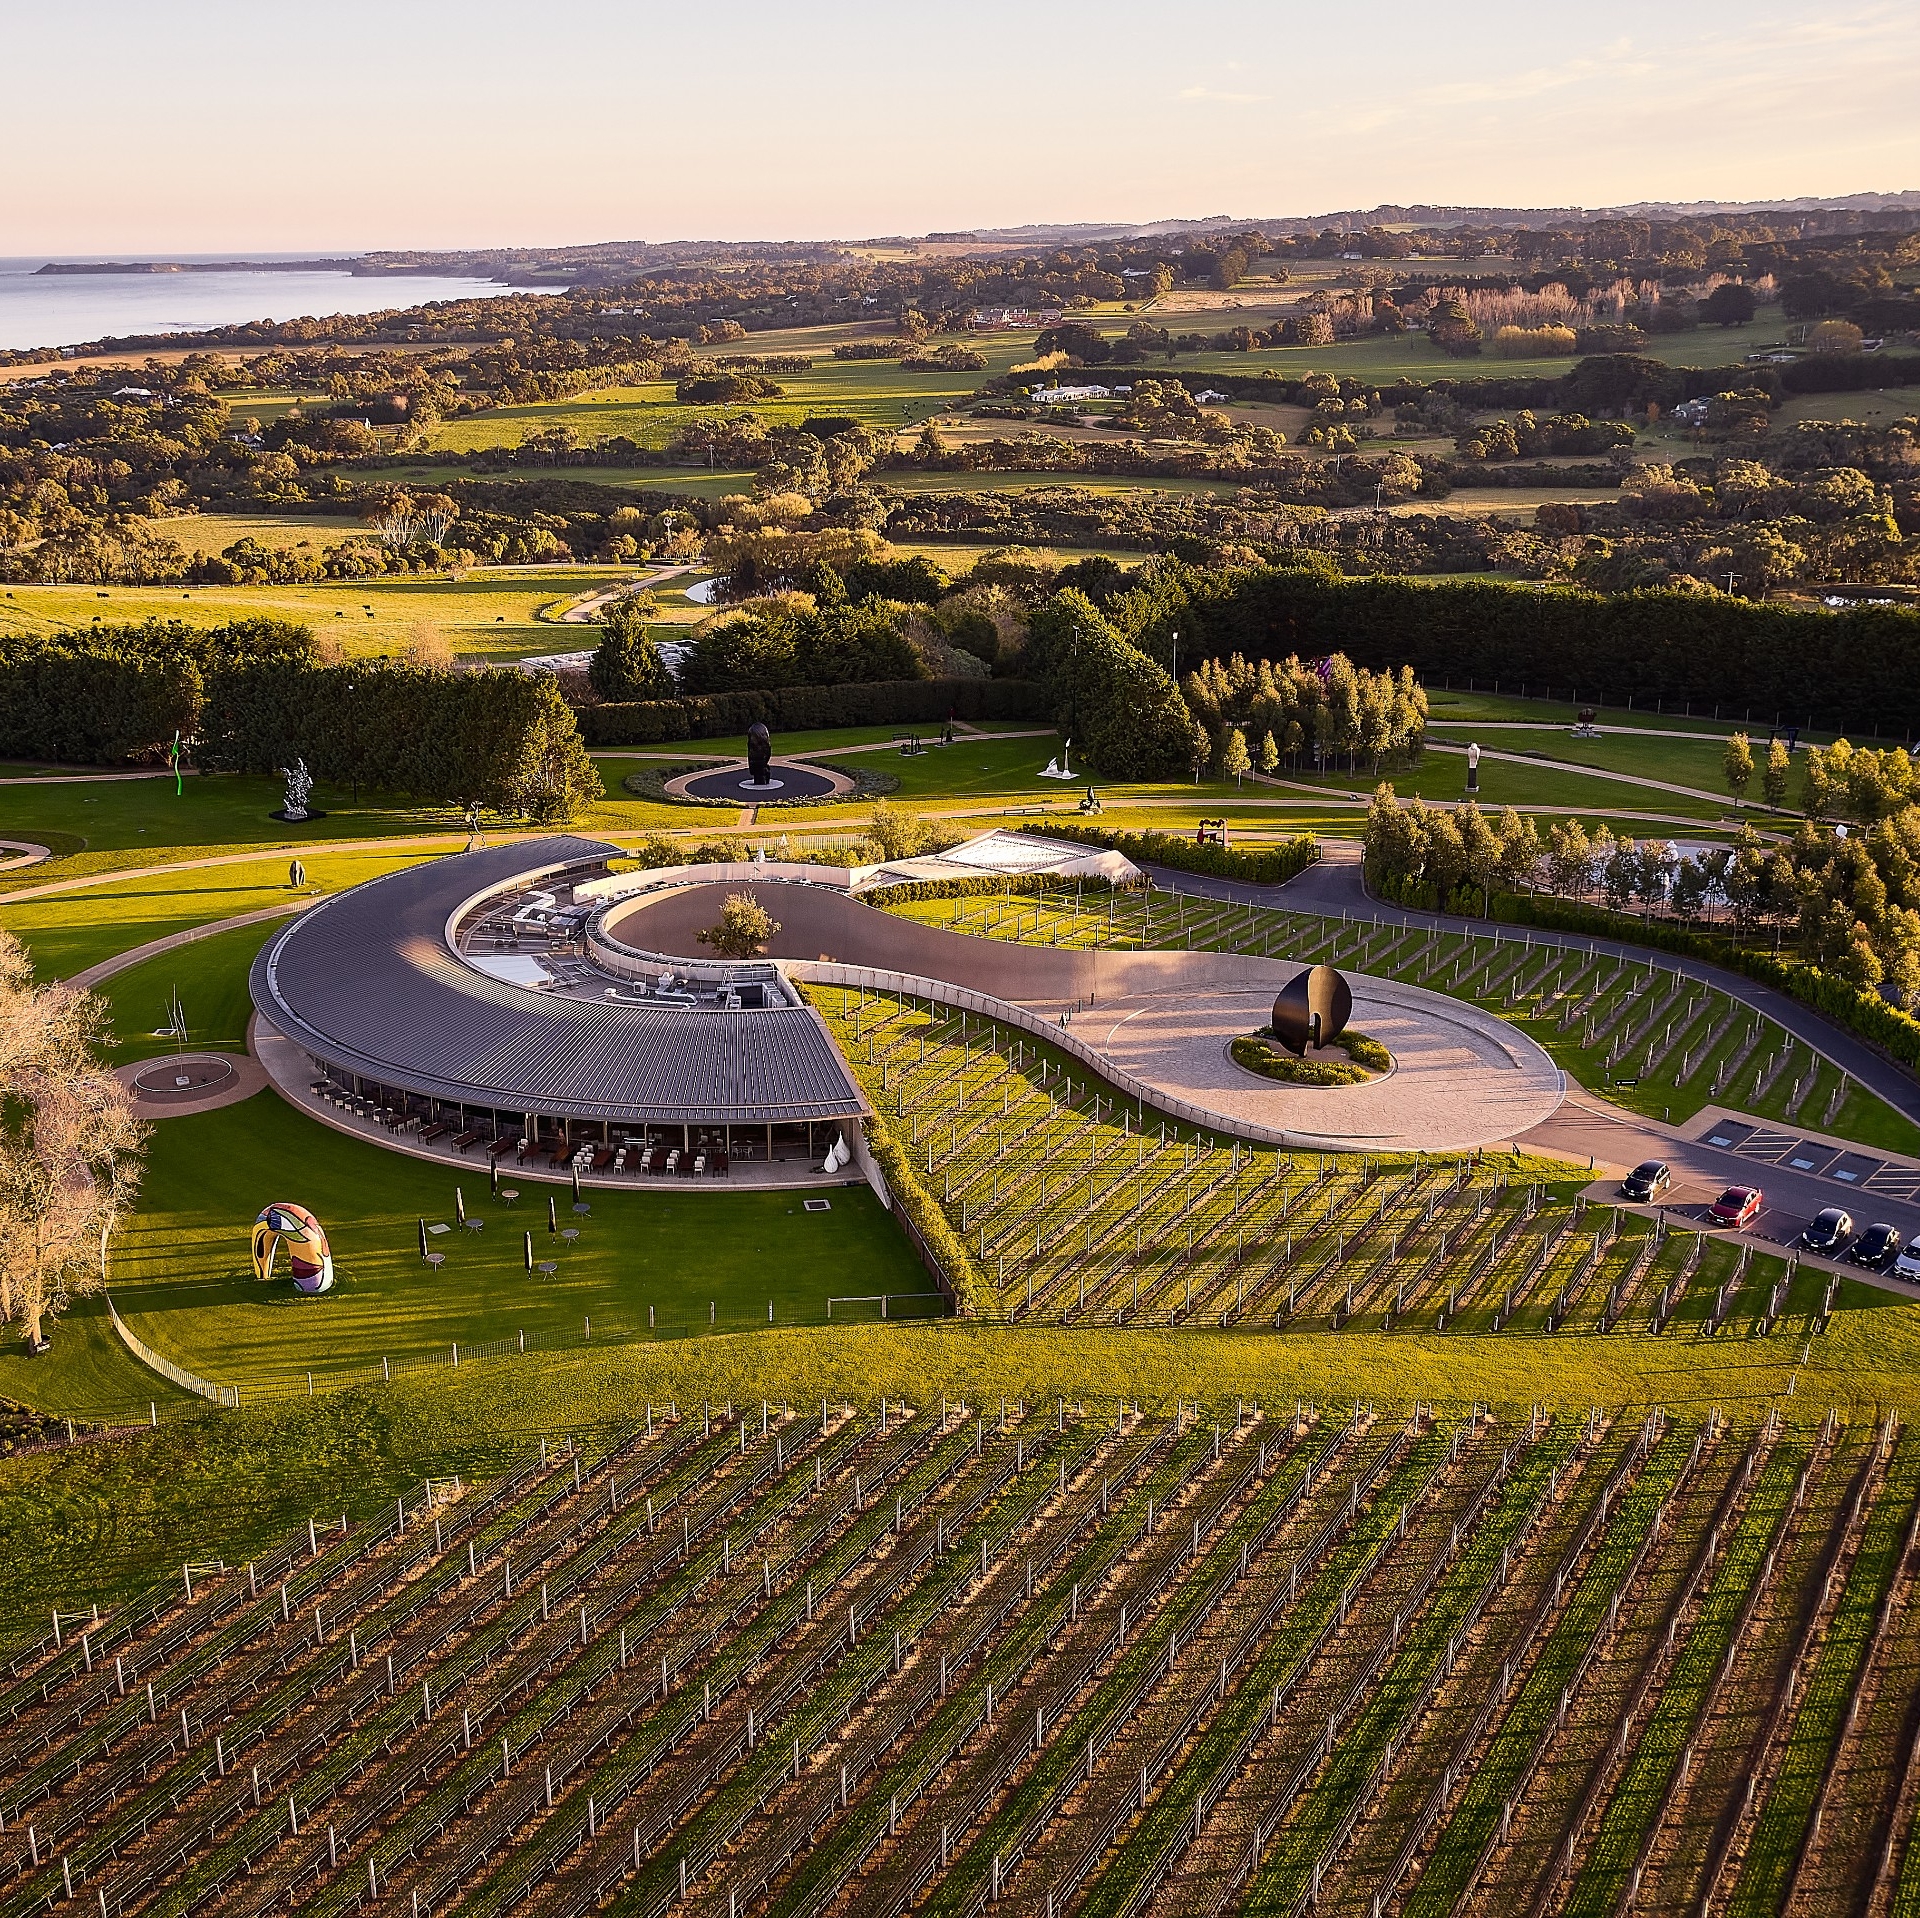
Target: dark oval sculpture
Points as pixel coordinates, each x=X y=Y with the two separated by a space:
x=1312 y=1010
x=759 y=752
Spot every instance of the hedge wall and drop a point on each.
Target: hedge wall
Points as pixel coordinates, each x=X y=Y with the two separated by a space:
x=94 y=709
x=973 y=1297
x=1856 y=669
x=504 y=738
x=1258 y=865
x=887 y=702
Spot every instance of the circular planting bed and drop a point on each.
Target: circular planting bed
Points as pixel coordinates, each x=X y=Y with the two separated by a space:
x=787 y=781
x=1365 y=1060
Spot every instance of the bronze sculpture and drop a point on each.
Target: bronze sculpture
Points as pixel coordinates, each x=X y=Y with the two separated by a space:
x=1312 y=1010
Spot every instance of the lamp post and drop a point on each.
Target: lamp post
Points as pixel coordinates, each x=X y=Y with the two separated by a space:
x=353 y=741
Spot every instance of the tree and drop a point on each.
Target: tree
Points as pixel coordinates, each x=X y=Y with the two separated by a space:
x=1269 y=754
x=1736 y=764
x=1569 y=858
x=892 y=834
x=743 y=929
x=1773 y=780
x=627 y=664
x=1202 y=750
x=1729 y=304
x=1480 y=851
x=1519 y=850
x=70 y=1146
x=1234 y=759
x=1835 y=336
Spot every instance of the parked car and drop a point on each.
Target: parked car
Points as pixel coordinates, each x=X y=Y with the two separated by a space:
x=1876 y=1248
x=1907 y=1265
x=1828 y=1231
x=1738 y=1205
x=1647 y=1181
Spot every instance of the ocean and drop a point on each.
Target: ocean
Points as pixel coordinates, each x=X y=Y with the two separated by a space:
x=71 y=309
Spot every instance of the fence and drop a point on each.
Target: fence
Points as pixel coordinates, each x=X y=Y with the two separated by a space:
x=227 y=1395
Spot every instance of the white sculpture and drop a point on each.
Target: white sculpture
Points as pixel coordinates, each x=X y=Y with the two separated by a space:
x=1061 y=768
x=299 y=790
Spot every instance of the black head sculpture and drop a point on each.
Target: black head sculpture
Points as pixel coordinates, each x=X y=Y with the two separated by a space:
x=759 y=752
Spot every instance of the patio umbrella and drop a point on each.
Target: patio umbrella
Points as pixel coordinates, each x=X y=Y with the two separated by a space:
x=576 y=1182
x=459 y=1205
x=529 y=1251
x=496 y=1178
x=553 y=1218
x=423 y=1238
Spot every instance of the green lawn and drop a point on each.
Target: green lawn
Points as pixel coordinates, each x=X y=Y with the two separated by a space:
x=210 y=975
x=67 y=932
x=182 y=1279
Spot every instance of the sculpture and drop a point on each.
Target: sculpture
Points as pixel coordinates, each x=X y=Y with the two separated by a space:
x=299 y=791
x=759 y=753
x=1473 y=768
x=307 y=1250
x=1061 y=768
x=1312 y=1010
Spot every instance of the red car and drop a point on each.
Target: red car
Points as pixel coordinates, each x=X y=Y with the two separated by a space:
x=1737 y=1205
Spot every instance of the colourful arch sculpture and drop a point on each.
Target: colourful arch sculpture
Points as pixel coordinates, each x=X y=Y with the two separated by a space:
x=306 y=1243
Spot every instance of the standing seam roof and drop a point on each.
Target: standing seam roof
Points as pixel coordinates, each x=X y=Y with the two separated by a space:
x=367 y=981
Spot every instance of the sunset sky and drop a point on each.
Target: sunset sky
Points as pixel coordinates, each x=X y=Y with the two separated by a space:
x=211 y=125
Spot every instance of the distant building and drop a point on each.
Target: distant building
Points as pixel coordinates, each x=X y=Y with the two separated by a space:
x=1012 y=319
x=1205 y=395
x=133 y=392
x=1069 y=395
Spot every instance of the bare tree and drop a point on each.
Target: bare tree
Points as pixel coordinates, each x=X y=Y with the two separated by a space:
x=70 y=1146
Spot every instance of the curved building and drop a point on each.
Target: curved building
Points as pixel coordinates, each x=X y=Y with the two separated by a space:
x=458 y=997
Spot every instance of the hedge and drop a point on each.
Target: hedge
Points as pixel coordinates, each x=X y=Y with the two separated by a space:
x=122 y=692
x=887 y=702
x=906 y=892
x=505 y=738
x=1859 y=667
x=973 y=1297
x=1259 y=866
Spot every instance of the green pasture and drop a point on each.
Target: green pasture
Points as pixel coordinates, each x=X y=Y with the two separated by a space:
x=181 y=1275
x=876 y=392
x=504 y=613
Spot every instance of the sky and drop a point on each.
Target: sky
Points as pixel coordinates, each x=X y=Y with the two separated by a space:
x=210 y=125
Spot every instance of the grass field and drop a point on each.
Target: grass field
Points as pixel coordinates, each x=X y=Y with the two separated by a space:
x=182 y=1280
x=482 y=615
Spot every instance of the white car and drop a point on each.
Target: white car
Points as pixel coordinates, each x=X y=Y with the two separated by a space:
x=1907 y=1265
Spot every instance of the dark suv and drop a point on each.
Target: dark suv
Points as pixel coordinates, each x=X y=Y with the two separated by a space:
x=1876 y=1248
x=1647 y=1181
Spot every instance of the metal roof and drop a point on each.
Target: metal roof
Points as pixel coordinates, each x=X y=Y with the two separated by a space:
x=367 y=981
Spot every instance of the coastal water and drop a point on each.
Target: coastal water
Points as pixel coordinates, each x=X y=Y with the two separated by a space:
x=63 y=309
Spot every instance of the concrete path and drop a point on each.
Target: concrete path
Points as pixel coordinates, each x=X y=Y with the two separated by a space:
x=135 y=955
x=1587 y=772
x=26 y=852
x=79 y=779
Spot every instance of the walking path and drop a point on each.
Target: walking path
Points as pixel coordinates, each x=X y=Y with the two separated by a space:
x=134 y=955
x=26 y=852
